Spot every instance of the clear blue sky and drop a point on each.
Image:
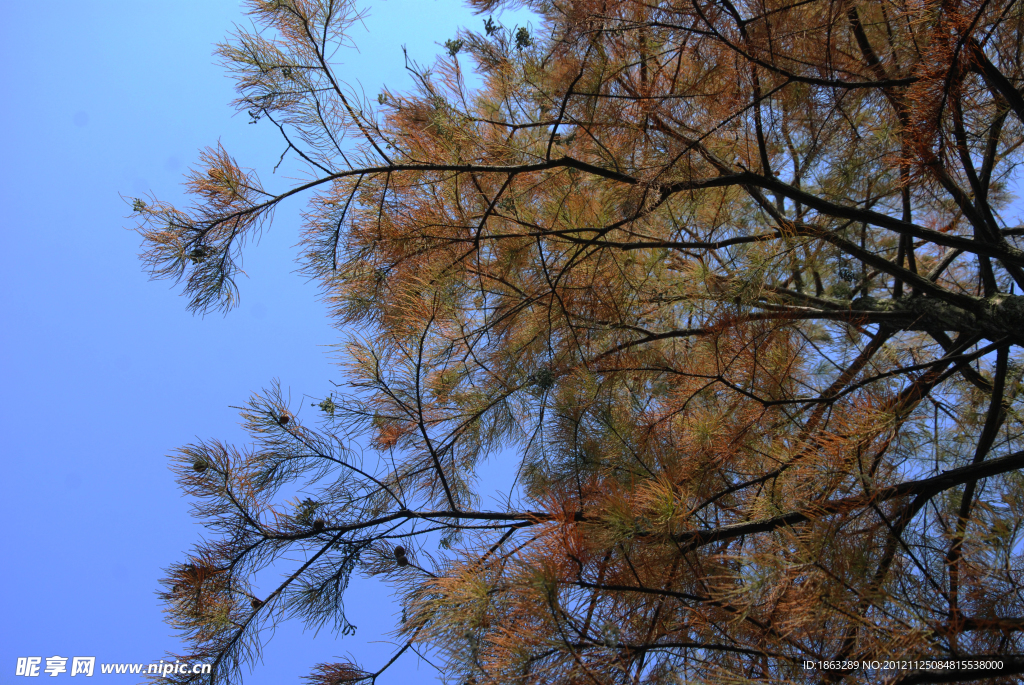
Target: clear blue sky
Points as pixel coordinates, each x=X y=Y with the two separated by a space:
x=104 y=372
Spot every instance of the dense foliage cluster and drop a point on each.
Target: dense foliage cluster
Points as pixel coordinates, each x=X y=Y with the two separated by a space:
x=730 y=282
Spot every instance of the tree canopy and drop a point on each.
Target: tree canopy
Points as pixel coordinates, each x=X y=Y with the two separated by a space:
x=731 y=283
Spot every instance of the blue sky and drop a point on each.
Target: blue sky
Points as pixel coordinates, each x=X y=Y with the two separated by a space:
x=104 y=371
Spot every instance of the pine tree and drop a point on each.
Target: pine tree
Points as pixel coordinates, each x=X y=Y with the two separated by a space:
x=731 y=282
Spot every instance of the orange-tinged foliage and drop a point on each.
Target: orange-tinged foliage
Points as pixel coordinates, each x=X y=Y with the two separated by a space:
x=731 y=284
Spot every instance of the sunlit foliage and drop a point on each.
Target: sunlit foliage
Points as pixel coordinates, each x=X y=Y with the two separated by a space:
x=732 y=287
